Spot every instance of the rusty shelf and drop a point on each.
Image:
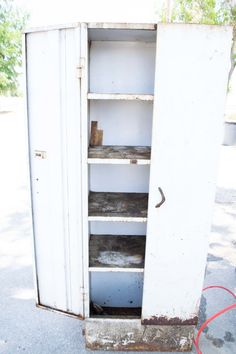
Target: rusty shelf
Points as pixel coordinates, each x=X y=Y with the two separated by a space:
x=116 y=154
x=104 y=206
x=116 y=253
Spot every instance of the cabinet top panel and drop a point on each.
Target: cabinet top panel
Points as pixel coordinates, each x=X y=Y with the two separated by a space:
x=149 y=27
x=100 y=25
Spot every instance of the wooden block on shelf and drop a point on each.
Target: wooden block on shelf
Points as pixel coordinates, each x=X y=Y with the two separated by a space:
x=96 y=136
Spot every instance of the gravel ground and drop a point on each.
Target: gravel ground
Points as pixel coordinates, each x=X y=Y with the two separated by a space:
x=27 y=329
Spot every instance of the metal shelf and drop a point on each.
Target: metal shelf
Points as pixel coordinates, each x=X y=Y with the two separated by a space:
x=130 y=207
x=139 y=155
x=120 y=96
x=116 y=253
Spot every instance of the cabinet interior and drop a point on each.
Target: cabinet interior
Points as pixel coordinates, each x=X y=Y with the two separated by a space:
x=120 y=101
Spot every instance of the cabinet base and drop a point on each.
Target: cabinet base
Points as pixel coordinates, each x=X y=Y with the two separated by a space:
x=130 y=334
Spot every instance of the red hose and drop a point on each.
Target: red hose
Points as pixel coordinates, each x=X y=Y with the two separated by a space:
x=220 y=287
x=219 y=313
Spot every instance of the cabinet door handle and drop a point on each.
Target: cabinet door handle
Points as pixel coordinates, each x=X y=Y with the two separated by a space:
x=163 y=198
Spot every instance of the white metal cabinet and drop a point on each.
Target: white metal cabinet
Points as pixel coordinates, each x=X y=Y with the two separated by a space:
x=92 y=203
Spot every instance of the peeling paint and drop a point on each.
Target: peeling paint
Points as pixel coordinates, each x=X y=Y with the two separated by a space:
x=183 y=342
x=174 y=321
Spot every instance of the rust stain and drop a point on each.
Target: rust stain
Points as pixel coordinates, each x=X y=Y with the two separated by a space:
x=133 y=162
x=162 y=346
x=174 y=321
x=69 y=314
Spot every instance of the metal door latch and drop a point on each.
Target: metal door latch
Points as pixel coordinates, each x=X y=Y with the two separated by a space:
x=80 y=68
x=40 y=154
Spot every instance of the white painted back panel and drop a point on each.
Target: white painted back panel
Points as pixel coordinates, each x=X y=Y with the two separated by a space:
x=117 y=228
x=122 y=67
x=123 y=122
x=192 y=65
x=118 y=34
x=119 y=178
x=54 y=127
x=118 y=289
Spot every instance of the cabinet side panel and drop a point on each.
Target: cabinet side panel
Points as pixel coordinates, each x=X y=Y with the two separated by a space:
x=84 y=154
x=53 y=113
x=191 y=78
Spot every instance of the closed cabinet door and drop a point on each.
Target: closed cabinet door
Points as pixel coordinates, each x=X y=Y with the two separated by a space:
x=192 y=65
x=53 y=91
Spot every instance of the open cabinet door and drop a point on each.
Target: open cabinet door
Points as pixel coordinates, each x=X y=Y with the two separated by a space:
x=192 y=65
x=53 y=91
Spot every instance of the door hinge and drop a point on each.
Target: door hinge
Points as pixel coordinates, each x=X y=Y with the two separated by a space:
x=84 y=294
x=80 y=69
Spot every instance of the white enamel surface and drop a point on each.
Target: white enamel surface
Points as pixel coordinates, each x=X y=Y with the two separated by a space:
x=123 y=34
x=117 y=228
x=84 y=166
x=124 y=26
x=191 y=76
x=117 y=218
x=116 y=68
x=192 y=65
x=122 y=30
x=115 y=269
x=117 y=162
x=122 y=67
x=119 y=96
x=118 y=289
x=54 y=127
x=123 y=122
x=119 y=178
